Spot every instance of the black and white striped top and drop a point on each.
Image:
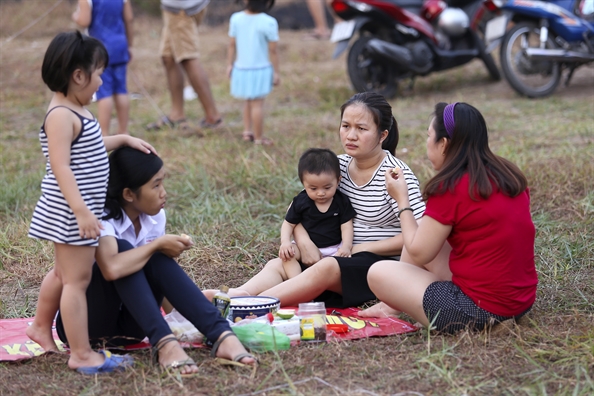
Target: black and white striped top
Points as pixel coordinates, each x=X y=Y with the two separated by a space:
x=52 y=218
x=376 y=217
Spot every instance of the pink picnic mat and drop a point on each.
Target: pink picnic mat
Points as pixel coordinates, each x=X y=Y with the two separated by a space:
x=15 y=345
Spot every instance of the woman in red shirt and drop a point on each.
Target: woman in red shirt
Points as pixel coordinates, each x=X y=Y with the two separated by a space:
x=469 y=262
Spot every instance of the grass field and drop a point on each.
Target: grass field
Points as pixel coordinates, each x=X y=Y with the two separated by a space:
x=230 y=196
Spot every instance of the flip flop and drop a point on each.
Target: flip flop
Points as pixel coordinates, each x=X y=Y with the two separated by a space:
x=112 y=363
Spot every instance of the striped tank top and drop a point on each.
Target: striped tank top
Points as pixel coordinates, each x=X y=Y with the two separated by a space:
x=377 y=211
x=53 y=219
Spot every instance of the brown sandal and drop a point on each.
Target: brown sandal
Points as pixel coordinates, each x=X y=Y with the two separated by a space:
x=264 y=142
x=247 y=136
x=163 y=122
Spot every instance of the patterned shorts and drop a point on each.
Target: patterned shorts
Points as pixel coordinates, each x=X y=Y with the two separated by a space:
x=449 y=310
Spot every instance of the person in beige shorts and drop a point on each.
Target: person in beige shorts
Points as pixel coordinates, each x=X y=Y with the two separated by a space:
x=179 y=53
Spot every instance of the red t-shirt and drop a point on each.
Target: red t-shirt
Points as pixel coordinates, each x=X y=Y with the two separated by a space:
x=492 y=258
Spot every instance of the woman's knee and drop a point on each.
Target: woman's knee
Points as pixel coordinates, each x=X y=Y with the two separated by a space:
x=377 y=272
x=326 y=269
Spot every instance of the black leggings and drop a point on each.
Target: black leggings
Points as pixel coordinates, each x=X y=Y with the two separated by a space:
x=126 y=310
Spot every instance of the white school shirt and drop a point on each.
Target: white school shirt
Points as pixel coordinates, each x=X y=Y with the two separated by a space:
x=151 y=227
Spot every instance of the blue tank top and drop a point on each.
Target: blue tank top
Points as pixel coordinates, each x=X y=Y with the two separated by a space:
x=107 y=25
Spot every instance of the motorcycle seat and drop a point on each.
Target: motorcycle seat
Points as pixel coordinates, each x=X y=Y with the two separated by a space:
x=413 y=6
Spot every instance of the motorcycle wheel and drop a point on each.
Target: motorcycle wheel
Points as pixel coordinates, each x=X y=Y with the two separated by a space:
x=530 y=78
x=367 y=73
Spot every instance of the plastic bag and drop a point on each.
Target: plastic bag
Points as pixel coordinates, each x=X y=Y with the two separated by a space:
x=261 y=337
x=182 y=328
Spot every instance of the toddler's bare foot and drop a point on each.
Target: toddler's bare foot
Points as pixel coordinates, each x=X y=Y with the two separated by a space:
x=379 y=310
x=43 y=337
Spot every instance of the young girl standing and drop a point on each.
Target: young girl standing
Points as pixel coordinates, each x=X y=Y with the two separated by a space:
x=252 y=64
x=73 y=193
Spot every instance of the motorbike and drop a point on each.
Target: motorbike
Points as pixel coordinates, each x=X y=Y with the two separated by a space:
x=403 y=39
x=546 y=38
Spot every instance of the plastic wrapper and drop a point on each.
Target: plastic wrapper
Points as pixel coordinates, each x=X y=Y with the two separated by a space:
x=261 y=337
x=182 y=328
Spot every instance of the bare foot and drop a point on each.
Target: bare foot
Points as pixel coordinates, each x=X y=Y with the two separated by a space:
x=232 y=347
x=87 y=359
x=43 y=337
x=173 y=352
x=379 y=310
x=233 y=292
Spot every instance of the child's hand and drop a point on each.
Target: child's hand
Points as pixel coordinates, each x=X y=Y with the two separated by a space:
x=286 y=251
x=89 y=226
x=229 y=71
x=275 y=79
x=141 y=145
x=343 y=251
x=173 y=245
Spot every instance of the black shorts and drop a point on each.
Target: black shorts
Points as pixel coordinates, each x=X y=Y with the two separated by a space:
x=449 y=310
x=353 y=276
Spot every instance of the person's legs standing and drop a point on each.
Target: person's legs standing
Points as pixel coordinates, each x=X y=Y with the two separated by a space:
x=183 y=42
x=248 y=134
x=48 y=304
x=121 y=97
x=74 y=265
x=318 y=14
x=257 y=117
x=173 y=70
x=199 y=81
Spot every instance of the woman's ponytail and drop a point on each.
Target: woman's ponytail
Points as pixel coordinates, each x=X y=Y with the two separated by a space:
x=391 y=141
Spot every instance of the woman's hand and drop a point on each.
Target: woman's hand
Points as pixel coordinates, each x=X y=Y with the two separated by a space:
x=89 y=226
x=397 y=187
x=173 y=245
x=286 y=251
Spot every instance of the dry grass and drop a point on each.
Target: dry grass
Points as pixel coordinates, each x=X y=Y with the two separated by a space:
x=230 y=196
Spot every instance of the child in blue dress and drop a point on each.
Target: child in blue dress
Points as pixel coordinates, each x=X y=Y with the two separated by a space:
x=110 y=21
x=252 y=64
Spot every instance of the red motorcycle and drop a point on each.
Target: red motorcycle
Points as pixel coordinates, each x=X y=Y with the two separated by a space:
x=403 y=39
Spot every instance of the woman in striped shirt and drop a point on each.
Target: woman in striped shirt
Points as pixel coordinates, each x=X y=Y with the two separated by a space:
x=369 y=136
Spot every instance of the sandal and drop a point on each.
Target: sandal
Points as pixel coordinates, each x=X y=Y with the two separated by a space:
x=207 y=125
x=187 y=130
x=236 y=361
x=176 y=364
x=161 y=123
x=264 y=141
x=247 y=136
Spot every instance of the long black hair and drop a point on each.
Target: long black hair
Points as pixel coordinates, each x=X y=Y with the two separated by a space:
x=128 y=168
x=382 y=116
x=468 y=152
x=67 y=52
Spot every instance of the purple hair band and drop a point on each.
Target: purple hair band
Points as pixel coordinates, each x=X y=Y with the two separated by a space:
x=448 y=118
